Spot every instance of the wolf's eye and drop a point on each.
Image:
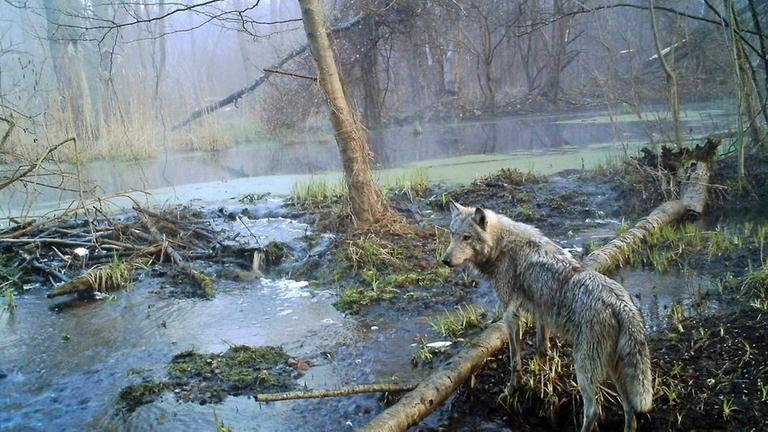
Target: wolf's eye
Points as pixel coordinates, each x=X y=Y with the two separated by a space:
x=466 y=237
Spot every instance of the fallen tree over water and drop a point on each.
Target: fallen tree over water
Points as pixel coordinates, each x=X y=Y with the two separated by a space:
x=236 y=96
x=693 y=168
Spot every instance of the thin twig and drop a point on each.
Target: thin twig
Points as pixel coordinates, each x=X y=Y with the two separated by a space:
x=313 y=78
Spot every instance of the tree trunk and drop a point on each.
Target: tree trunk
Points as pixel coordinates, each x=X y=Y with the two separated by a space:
x=159 y=58
x=66 y=59
x=747 y=85
x=551 y=89
x=438 y=387
x=669 y=71
x=366 y=201
x=369 y=73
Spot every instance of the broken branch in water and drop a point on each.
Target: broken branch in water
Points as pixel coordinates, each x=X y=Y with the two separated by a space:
x=345 y=391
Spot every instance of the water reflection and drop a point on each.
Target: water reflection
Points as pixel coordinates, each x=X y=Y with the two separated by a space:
x=393 y=147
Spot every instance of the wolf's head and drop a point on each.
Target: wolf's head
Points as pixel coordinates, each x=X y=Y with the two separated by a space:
x=472 y=237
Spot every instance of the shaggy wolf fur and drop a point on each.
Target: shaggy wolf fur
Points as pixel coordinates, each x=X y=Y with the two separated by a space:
x=531 y=274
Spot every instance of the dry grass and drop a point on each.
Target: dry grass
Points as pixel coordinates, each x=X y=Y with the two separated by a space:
x=209 y=134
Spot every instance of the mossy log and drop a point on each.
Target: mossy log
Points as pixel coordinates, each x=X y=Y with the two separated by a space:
x=615 y=251
x=102 y=278
x=79 y=285
x=693 y=174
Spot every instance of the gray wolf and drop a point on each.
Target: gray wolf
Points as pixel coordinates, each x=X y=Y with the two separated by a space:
x=533 y=275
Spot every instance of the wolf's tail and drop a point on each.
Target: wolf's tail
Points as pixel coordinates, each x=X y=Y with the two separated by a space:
x=633 y=360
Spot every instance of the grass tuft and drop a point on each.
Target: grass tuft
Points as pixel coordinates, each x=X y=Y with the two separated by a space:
x=457 y=323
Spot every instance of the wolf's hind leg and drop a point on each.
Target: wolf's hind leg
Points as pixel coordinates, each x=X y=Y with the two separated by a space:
x=588 y=382
x=630 y=423
x=512 y=321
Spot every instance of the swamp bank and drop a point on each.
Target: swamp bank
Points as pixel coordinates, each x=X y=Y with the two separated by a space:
x=289 y=297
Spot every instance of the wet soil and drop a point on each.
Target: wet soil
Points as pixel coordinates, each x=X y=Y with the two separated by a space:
x=708 y=349
x=710 y=376
x=712 y=367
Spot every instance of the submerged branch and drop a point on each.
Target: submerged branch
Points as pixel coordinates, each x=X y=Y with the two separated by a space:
x=346 y=391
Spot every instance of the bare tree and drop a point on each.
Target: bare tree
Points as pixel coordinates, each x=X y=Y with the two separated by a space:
x=671 y=74
x=494 y=21
x=562 y=36
x=366 y=201
x=66 y=58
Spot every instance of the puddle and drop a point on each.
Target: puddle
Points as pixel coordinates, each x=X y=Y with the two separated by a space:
x=656 y=294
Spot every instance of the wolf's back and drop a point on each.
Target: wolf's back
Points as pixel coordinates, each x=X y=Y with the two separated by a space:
x=634 y=361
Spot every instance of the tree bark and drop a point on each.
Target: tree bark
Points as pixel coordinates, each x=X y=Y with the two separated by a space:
x=365 y=199
x=369 y=73
x=438 y=387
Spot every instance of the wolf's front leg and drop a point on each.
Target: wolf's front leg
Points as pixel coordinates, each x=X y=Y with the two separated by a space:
x=512 y=321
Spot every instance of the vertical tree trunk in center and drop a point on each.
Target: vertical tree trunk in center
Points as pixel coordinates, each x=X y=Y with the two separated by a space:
x=364 y=196
x=369 y=74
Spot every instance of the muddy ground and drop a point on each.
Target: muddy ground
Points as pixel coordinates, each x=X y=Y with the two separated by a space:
x=709 y=366
x=709 y=361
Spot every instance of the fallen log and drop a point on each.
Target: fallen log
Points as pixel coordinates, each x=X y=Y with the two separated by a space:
x=438 y=387
x=616 y=251
x=101 y=278
x=346 y=391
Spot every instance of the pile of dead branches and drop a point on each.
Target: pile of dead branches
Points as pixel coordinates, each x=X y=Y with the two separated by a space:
x=99 y=254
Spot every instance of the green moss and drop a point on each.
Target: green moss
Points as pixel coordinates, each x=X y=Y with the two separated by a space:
x=132 y=397
x=311 y=239
x=239 y=368
x=211 y=377
x=206 y=284
x=376 y=269
x=526 y=213
x=275 y=253
x=354 y=298
x=516 y=177
x=417 y=278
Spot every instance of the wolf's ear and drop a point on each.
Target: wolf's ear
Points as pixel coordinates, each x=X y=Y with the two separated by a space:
x=480 y=218
x=455 y=207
